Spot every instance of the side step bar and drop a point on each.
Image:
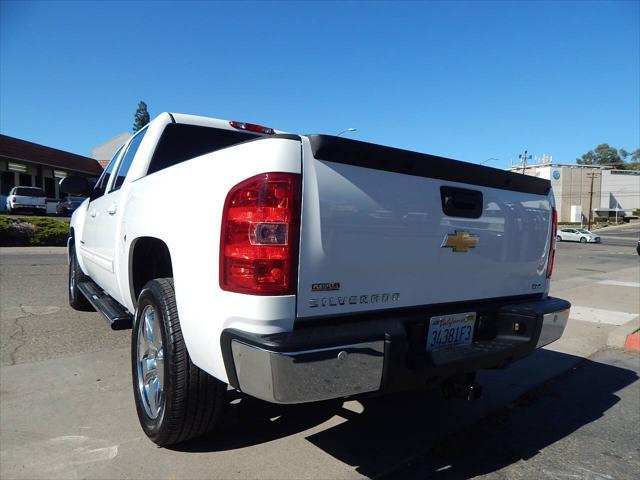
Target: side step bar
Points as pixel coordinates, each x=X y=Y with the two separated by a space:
x=118 y=317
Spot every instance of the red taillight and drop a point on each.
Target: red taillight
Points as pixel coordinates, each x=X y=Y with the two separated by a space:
x=260 y=235
x=252 y=127
x=552 y=247
x=13 y=199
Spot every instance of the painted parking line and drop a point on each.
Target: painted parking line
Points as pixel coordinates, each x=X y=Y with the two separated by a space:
x=617 y=283
x=598 y=315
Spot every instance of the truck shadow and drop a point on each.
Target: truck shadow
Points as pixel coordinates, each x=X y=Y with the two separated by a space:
x=420 y=435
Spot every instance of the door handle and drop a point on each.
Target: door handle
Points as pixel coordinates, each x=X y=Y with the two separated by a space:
x=112 y=209
x=92 y=213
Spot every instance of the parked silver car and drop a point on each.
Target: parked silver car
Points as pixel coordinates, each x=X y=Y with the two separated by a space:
x=577 y=235
x=26 y=199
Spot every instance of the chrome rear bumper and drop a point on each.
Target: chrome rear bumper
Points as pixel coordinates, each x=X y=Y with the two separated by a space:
x=308 y=376
x=383 y=354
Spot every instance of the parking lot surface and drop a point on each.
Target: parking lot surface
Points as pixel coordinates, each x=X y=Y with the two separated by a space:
x=67 y=409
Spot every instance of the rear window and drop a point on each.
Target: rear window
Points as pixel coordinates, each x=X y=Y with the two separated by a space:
x=29 y=192
x=181 y=142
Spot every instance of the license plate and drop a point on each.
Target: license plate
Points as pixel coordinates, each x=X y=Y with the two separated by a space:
x=450 y=330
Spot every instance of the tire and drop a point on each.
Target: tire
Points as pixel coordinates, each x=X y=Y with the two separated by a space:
x=559 y=238
x=77 y=300
x=583 y=240
x=188 y=402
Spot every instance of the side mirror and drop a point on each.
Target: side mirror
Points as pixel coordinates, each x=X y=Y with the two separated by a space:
x=75 y=186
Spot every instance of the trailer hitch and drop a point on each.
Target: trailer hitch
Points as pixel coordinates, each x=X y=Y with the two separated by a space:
x=462 y=386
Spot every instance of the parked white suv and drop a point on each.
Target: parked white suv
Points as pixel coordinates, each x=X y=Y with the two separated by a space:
x=306 y=268
x=26 y=199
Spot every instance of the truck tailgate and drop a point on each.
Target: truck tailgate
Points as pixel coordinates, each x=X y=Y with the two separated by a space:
x=387 y=228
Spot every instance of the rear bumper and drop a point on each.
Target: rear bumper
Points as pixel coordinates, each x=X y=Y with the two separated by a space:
x=25 y=206
x=384 y=353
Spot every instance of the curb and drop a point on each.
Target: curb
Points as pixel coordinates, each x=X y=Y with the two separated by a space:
x=618 y=336
x=32 y=250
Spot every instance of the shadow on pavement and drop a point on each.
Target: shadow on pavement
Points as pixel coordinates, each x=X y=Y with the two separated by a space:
x=420 y=435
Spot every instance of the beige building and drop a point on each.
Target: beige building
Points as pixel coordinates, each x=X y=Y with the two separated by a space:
x=103 y=153
x=577 y=186
x=28 y=164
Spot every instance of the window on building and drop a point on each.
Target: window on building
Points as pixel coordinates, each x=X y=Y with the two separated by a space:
x=50 y=187
x=181 y=142
x=24 y=180
x=125 y=164
x=7 y=182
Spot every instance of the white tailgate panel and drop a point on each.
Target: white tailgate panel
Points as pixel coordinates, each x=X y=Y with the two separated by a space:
x=378 y=235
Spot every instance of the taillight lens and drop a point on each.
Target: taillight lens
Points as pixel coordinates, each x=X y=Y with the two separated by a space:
x=252 y=127
x=260 y=235
x=13 y=199
x=552 y=247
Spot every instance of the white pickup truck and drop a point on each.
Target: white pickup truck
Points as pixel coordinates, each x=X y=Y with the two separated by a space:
x=299 y=268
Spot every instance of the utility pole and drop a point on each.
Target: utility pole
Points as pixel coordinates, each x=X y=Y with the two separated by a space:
x=591 y=176
x=524 y=157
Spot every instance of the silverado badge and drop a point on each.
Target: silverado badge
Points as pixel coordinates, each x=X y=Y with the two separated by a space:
x=460 y=241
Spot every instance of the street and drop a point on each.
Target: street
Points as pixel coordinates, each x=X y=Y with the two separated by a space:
x=570 y=411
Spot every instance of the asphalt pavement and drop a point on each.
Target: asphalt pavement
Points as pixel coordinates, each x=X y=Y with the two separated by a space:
x=582 y=424
x=67 y=409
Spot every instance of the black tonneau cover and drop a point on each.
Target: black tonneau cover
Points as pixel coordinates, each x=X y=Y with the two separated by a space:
x=380 y=157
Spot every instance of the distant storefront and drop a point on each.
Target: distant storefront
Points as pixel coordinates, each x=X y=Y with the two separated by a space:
x=608 y=192
x=24 y=163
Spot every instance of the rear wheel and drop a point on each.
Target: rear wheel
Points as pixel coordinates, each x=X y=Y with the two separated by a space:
x=583 y=240
x=175 y=400
x=559 y=238
x=77 y=300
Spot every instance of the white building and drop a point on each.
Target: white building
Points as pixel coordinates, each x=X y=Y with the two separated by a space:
x=577 y=186
x=620 y=191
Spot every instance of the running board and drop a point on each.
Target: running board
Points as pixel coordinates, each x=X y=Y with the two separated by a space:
x=118 y=317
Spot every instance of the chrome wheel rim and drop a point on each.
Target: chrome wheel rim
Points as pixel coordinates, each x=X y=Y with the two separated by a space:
x=150 y=364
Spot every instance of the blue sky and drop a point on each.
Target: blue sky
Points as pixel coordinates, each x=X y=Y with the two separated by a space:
x=467 y=80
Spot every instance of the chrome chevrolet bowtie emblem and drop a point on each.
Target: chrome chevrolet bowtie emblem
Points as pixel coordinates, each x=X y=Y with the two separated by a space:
x=460 y=241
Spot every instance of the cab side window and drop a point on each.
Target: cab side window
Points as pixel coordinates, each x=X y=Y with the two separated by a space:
x=102 y=182
x=125 y=164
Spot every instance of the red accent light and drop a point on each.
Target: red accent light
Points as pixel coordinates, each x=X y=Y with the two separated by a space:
x=552 y=247
x=260 y=235
x=252 y=127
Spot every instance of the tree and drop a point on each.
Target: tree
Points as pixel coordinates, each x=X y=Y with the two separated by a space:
x=141 y=117
x=603 y=154
x=634 y=163
x=623 y=154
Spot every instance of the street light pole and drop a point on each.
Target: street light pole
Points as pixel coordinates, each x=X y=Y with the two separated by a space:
x=350 y=129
